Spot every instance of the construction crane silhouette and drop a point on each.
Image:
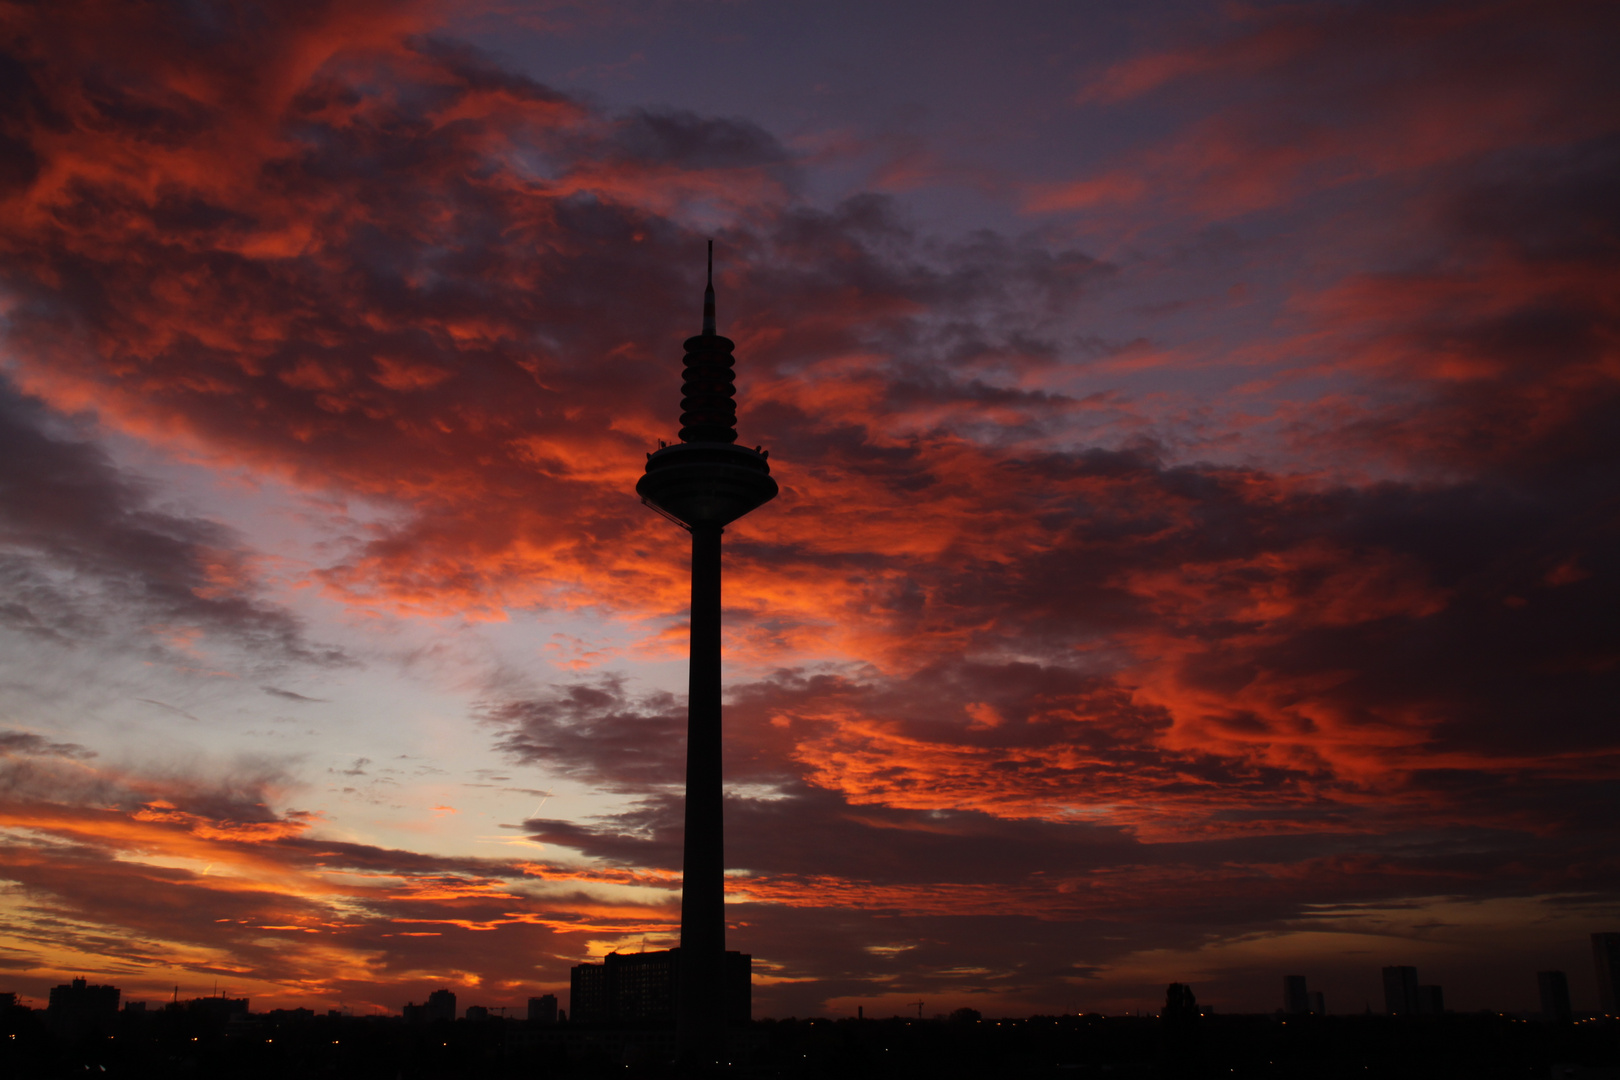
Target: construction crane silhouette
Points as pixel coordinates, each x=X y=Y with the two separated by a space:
x=919 y=1007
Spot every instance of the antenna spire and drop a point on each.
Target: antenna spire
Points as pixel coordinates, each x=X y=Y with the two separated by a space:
x=708 y=297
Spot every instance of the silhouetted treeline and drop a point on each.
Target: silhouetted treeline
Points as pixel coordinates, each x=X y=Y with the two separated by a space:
x=187 y=1043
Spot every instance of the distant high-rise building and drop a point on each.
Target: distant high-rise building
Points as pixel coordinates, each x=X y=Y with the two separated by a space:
x=1296 y=999
x=588 y=993
x=221 y=1008
x=543 y=1009
x=1400 y=991
x=1318 y=1003
x=299 y=1015
x=1179 y=1003
x=1606 y=955
x=1430 y=1001
x=441 y=1005
x=641 y=989
x=477 y=1013
x=1179 y=1026
x=78 y=1008
x=1554 y=987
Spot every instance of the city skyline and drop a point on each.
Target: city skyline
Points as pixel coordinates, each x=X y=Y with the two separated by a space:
x=1195 y=560
x=643 y=985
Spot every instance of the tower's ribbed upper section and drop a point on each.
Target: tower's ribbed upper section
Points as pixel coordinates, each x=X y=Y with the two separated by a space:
x=706 y=481
x=708 y=390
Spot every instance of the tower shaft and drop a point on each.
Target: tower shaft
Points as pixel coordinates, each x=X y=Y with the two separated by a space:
x=704 y=483
x=701 y=1011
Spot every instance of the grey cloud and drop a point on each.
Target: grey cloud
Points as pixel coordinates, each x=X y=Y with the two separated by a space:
x=82 y=550
x=28 y=743
x=290 y=695
x=595 y=731
x=689 y=141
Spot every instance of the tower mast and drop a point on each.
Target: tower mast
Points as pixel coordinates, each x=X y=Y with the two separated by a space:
x=704 y=483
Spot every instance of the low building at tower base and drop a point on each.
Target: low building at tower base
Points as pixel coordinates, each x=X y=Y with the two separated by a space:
x=638 y=990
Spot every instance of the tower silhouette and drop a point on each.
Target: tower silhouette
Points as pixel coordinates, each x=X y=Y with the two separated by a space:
x=704 y=483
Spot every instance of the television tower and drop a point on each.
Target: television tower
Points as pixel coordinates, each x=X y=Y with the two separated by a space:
x=704 y=483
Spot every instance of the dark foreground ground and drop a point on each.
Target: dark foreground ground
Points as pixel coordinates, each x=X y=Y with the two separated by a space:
x=180 y=1045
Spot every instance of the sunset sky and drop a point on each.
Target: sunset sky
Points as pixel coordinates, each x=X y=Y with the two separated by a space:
x=1198 y=555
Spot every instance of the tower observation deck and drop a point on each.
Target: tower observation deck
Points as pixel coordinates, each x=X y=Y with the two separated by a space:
x=703 y=483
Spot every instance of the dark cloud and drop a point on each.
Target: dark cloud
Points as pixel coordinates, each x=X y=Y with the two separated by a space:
x=82 y=550
x=1290 y=102
x=1512 y=344
x=243 y=791
x=164 y=705
x=686 y=140
x=596 y=732
x=28 y=743
x=290 y=695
